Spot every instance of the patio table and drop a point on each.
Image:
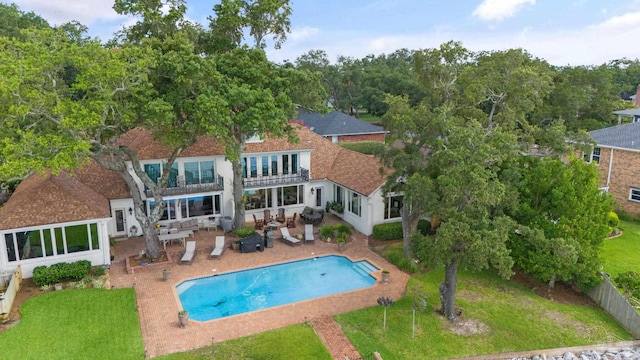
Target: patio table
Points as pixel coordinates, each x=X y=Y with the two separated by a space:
x=168 y=238
x=273 y=225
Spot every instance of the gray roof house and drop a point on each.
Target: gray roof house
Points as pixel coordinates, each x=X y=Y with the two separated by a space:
x=340 y=127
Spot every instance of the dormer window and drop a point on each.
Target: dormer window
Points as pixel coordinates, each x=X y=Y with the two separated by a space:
x=254 y=139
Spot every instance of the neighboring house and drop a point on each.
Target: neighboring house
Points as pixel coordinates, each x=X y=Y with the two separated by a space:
x=340 y=127
x=634 y=114
x=617 y=155
x=56 y=218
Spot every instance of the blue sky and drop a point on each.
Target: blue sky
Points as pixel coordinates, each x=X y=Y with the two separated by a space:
x=563 y=32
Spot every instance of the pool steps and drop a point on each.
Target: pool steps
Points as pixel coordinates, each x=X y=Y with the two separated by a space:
x=364 y=268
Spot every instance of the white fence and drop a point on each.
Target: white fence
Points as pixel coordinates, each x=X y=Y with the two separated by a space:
x=608 y=296
x=10 y=281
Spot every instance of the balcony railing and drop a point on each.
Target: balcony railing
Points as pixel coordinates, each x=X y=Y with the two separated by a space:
x=280 y=179
x=181 y=187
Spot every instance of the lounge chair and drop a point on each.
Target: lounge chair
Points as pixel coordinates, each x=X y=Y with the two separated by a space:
x=287 y=238
x=189 y=253
x=218 y=249
x=308 y=233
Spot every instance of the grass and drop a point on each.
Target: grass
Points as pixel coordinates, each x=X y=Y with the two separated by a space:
x=370 y=118
x=628 y=244
x=292 y=342
x=76 y=324
x=513 y=317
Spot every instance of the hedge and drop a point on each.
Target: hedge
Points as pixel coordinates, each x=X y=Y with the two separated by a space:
x=393 y=231
x=364 y=147
x=43 y=275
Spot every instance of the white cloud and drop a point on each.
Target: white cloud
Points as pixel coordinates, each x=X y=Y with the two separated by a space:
x=498 y=10
x=593 y=44
x=303 y=33
x=621 y=22
x=57 y=12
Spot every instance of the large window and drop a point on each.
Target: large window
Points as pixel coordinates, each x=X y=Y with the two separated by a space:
x=199 y=172
x=355 y=203
x=265 y=166
x=258 y=199
x=153 y=171
x=191 y=173
x=41 y=242
x=188 y=207
x=290 y=195
x=634 y=194
x=169 y=211
x=285 y=164
x=338 y=195
x=392 y=205
x=199 y=206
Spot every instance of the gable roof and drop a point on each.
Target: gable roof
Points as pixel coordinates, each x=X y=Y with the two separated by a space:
x=625 y=136
x=85 y=193
x=337 y=123
x=45 y=199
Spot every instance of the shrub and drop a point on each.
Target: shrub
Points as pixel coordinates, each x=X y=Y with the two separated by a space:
x=342 y=229
x=623 y=215
x=244 y=231
x=630 y=282
x=364 y=147
x=424 y=226
x=388 y=231
x=98 y=271
x=612 y=219
x=407 y=265
x=43 y=275
x=326 y=231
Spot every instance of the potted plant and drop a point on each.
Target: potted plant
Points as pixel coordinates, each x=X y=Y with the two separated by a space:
x=341 y=240
x=385 y=276
x=183 y=317
x=165 y=274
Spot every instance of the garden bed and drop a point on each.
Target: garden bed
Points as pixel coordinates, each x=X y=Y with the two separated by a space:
x=135 y=263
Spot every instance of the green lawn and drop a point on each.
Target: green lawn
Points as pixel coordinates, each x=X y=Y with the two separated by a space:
x=76 y=324
x=293 y=342
x=622 y=254
x=370 y=118
x=513 y=317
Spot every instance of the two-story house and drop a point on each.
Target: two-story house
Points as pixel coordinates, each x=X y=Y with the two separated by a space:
x=71 y=216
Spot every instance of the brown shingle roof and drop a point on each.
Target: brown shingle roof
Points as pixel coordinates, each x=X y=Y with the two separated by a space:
x=105 y=182
x=50 y=199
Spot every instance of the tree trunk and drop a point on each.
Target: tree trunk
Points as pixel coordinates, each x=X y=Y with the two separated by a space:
x=448 y=290
x=409 y=226
x=148 y=223
x=238 y=194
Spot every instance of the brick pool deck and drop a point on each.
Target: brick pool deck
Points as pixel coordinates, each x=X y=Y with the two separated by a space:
x=158 y=302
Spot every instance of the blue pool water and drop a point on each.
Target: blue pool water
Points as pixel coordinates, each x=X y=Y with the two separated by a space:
x=218 y=296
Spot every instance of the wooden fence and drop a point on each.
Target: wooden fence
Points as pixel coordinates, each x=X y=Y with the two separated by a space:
x=608 y=296
x=9 y=294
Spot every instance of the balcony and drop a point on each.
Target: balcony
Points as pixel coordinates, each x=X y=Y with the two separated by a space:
x=182 y=188
x=280 y=179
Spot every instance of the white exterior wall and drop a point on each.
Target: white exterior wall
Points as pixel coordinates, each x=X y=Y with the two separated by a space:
x=97 y=257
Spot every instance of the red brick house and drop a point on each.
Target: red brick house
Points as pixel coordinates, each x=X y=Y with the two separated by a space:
x=340 y=127
x=617 y=155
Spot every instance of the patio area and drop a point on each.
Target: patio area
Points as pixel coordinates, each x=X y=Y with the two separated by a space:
x=158 y=302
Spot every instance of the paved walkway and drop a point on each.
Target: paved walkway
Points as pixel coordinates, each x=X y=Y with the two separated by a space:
x=334 y=339
x=158 y=302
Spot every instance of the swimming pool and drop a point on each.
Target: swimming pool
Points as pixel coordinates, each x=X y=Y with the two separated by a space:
x=238 y=292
